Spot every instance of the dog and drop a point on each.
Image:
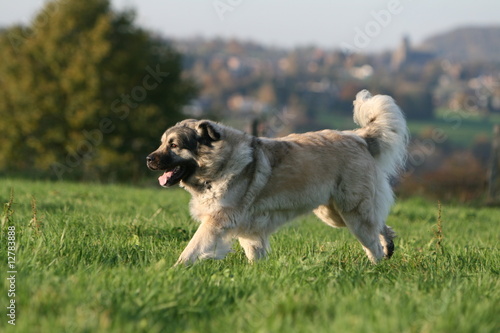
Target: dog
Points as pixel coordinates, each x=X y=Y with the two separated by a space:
x=246 y=187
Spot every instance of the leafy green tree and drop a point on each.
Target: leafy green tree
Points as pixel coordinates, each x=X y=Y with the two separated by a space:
x=85 y=93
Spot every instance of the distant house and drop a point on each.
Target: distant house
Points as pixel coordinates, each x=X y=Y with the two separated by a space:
x=405 y=55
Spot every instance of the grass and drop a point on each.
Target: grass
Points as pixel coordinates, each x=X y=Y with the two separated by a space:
x=95 y=258
x=458 y=128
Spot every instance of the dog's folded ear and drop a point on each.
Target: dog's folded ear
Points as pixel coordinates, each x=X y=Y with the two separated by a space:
x=208 y=131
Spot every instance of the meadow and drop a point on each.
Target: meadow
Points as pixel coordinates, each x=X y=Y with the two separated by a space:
x=98 y=258
x=460 y=129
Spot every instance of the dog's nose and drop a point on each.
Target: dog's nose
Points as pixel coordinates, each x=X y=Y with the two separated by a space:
x=150 y=158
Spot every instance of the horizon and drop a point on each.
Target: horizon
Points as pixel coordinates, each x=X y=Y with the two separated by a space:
x=367 y=26
x=342 y=47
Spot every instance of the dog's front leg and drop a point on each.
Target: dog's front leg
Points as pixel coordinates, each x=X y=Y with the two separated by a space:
x=208 y=241
x=255 y=247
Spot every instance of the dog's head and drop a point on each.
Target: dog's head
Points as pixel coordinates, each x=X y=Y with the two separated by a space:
x=179 y=153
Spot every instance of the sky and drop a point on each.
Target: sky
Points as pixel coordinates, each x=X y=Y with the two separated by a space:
x=368 y=25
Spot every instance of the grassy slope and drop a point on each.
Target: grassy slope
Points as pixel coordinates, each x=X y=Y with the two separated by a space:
x=459 y=129
x=101 y=262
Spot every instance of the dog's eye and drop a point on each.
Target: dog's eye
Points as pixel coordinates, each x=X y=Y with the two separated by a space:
x=173 y=145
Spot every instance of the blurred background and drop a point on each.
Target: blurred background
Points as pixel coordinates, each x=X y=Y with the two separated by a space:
x=88 y=87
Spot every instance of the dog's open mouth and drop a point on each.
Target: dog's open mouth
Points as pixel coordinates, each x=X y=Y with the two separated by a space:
x=172 y=177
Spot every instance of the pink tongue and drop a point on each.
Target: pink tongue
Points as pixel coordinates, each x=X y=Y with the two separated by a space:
x=163 y=179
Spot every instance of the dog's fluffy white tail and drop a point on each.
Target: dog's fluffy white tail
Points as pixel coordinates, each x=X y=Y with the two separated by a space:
x=383 y=126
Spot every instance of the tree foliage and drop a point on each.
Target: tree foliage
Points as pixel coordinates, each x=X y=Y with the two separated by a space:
x=85 y=93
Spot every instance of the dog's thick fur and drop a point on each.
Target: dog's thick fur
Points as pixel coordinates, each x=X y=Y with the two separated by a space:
x=246 y=187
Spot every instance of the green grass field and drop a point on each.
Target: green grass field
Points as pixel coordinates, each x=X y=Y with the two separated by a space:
x=96 y=258
x=460 y=129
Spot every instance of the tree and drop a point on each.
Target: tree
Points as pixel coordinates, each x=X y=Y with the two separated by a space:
x=416 y=102
x=85 y=93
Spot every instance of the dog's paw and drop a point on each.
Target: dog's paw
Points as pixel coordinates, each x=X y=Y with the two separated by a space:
x=186 y=259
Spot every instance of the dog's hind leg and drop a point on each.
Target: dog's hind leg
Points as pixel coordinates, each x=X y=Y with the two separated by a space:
x=367 y=232
x=256 y=247
x=386 y=239
x=362 y=228
x=330 y=216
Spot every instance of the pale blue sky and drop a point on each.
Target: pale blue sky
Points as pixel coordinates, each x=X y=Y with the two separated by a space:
x=326 y=23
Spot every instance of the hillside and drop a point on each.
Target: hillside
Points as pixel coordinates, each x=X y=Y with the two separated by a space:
x=98 y=259
x=467 y=44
